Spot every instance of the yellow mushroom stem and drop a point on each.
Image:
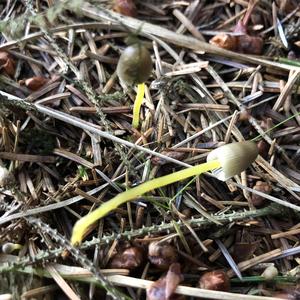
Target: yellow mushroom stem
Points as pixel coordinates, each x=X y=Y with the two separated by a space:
x=137 y=104
x=82 y=224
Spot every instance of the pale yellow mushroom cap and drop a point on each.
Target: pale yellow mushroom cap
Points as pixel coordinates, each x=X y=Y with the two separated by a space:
x=234 y=158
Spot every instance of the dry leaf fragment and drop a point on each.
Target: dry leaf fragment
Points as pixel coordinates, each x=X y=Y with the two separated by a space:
x=34 y=83
x=125 y=7
x=163 y=288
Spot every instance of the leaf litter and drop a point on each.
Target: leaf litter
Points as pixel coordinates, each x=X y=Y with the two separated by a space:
x=68 y=145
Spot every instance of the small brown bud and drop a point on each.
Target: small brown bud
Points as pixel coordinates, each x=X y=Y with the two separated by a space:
x=263 y=187
x=162 y=255
x=35 y=83
x=215 y=281
x=131 y=258
x=125 y=7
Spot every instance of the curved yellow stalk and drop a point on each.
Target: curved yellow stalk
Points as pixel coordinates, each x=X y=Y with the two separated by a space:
x=81 y=225
x=137 y=104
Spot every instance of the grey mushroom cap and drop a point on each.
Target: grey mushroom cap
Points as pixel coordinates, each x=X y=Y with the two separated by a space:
x=234 y=158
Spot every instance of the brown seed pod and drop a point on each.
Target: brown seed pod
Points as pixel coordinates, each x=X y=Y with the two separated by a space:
x=162 y=255
x=215 y=281
x=125 y=7
x=135 y=64
x=131 y=258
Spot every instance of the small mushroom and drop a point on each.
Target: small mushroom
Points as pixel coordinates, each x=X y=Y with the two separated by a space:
x=234 y=158
x=134 y=67
x=135 y=64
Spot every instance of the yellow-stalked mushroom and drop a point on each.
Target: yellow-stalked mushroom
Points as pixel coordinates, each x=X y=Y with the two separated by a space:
x=135 y=67
x=228 y=160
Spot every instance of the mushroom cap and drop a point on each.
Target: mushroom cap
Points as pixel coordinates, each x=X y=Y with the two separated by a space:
x=234 y=158
x=135 y=64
